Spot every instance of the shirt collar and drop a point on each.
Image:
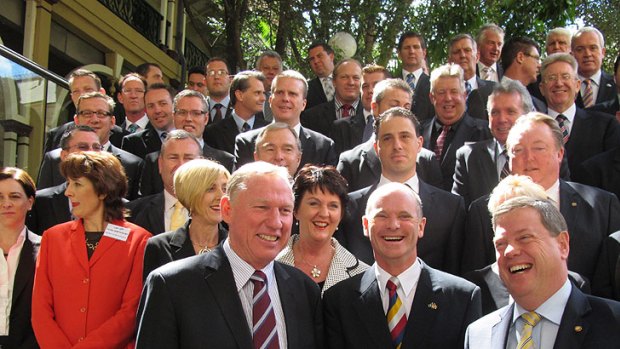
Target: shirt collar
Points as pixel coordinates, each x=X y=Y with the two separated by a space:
x=596 y=78
x=554 y=193
x=239 y=121
x=473 y=83
x=224 y=102
x=416 y=73
x=242 y=271
x=169 y=200
x=492 y=66
x=142 y=122
x=553 y=308
x=568 y=113
x=413 y=182
x=408 y=279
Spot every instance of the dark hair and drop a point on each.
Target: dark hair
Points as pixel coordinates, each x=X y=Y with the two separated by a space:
x=406 y=35
x=160 y=86
x=513 y=46
x=327 y=179
x=325 y=47
x=70 y=132
x=241 y=82
x=196 y=70
x=400 y=113
x=217 y=59
x=106 y=174
x=144 y=68
x=22 y=177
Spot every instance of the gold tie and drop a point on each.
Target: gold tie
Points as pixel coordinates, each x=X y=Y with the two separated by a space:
x=178 y=218
x=530 y=320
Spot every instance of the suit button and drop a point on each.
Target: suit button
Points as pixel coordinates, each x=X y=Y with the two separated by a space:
x=85 y=280
x=83 y=309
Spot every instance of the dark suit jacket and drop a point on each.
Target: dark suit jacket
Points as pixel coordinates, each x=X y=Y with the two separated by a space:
x=51 y=207
x=316 y=148
x=500 y=71
x=194 y=301
x=354 y=315
x=443 y=235
x=469 y=130
x=21 y=334
x=477 y=99
x=606 y=90
x=143 y=142
x=591 y=133
x=52 y=139
x=221 y=135
x=602 y=171
x=150 y=182
x=495 y=294
x=606 y=282
x=611 y=106
x=148 y=212
x=475 y=174
x=316 y=95
x=49 y=174
x=598 y=318
x=226 y=113
x=321 y=118
x=590 y=213
x=171 y=246
x=348 y=133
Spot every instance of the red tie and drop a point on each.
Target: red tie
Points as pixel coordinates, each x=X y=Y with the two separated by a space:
x=264 y=333
x=346 y=110
x=440 y=141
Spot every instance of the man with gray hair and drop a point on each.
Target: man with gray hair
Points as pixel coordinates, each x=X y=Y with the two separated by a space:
x=237 y=295
x=481 y=165
x=451 y=126
x=597 y=86
x=247 y=96
x=278 y=144
x=558 y=41
x=585 y=133
x=532 y=243
x=490 y=41
x=270 y=64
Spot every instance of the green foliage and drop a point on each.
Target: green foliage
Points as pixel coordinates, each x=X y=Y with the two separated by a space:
x=603 y=14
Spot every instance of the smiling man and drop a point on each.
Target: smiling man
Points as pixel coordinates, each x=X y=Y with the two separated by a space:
x=193 y=302
x=400 y=302
x=490 y=40
x=532 y=244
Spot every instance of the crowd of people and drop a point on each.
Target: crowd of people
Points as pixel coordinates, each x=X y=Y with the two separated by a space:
x=474 y=205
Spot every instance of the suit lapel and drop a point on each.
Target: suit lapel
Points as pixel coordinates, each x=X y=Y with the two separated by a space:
x=424 y=310
x=370 y=158
x=570 y=205
x=370 y=311
x=78 y=244
x=307 y=146
x=25 y=268
x=61 y=203
x=574 y=316
x=289 y=306
x=486 y=165
x=498 y=290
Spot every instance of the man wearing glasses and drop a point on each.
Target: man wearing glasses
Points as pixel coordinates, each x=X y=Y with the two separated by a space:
x=94 y=109
x=521 y=62
x=218 y=84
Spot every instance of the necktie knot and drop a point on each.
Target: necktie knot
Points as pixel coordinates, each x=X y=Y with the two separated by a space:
x=163 y=135
x=346 y=110
x=532 y=318
x=178 y=218
x=588 y=93
x=245 y=127
x=562 y=122
x=218 y=106
x=467 y=87
x=132 y=128
x=392 y=284
x=258 y=278
x=411 y=80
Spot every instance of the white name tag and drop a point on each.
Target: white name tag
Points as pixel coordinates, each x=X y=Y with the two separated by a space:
x=116 y=232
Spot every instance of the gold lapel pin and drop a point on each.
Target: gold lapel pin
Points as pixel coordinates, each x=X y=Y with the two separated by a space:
x=578 y=329
x=432 y=305
x=574 y=204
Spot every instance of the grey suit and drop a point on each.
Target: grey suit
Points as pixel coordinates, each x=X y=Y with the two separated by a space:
x=477 y=99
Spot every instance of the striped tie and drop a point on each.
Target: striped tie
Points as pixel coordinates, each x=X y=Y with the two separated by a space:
x=411 y=81
x=264 y=333
x=530 y=320
x=561 y=119
x=506 y=168
x=396 y=316
x=441 y=140
x=588 y=96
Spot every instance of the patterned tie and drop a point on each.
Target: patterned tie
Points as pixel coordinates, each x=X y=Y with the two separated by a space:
x=467 y=87
x=328 y=88
x=561 y=119
x=411 y=81
x=588 y=96
x=163 y=136
x=245 y=127
x=264 y=333
x=396 y=315
x=440 y=141
x=346 y=110
x=218 y=112
x=368 y=129
x=178 y=218
x=133 y=128
x=530 y=320
x=506 y=169
x=486 y=72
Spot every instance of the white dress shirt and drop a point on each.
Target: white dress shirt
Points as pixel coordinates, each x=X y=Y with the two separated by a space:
x=408 y=285
x=8 y=266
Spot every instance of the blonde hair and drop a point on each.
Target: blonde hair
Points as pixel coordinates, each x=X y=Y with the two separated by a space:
x=193 y=179
x=514 y=186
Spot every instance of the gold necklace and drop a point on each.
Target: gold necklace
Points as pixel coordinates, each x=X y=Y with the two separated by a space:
x=92 y=246
x=203 y=248
x=315 y=272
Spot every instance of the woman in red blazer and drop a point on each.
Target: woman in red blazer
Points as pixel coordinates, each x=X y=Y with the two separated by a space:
x=89 y=272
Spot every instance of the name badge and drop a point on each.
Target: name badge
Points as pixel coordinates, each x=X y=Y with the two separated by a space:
x=116 y=232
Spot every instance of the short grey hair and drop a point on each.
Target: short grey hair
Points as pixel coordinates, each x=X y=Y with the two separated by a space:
x=239 y=179
x=178 y=135
x=578 y=33
x=382 y=86
x=513 y=186
x=273 y=127
x=268 y=53
x=191 y=93
x=90 y=95
x=550 y=216
x=488 y=27
x=558 y=57
x=450 y=70
x=559 y=31
x=509 y=86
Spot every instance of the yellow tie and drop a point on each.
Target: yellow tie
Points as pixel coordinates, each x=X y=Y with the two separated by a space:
x=178 y=218
x=530 y=320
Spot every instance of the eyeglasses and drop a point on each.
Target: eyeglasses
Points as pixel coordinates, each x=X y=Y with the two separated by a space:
x=536 y=57
x=89 y=114
x=86 y=147
x=220 y=72
x=555 y=77
x=137 y=91
x=193 y=113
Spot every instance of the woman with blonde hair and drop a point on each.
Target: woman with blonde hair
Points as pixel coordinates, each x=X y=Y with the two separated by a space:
x=199 y=185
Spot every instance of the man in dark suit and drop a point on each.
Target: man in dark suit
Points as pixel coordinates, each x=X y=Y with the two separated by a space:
x=397 y=144
x=287 y=102
x=361 y=166
x=462 y=50
x=154 y=212
x=597 y=86
x=535 y=149
x=480 y=165
x=158 y=101
x=606 y=282
x=490 y=40
x=218 y=85
x=190 y=114
x=349 y=132
x=521 y=62
x=277 y=143
x=601 y=171
x=400 y=302
x=211 y=299
x=586 y=133
x=346 y=103
x=557 y=41
x=247 y=95
x=320 y=89
x=532 y=243
x=131 y=96
x=94 y=110
x=612 y=106
x=452 y=126
x=412 y=54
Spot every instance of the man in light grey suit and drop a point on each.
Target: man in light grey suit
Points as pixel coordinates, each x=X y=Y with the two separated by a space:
x=532 y=244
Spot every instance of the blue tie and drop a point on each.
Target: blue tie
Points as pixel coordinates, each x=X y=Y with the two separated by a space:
x=411 y=81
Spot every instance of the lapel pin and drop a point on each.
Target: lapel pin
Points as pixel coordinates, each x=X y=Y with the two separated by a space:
x=432 y=305
x=578 y=329
x=574 y=204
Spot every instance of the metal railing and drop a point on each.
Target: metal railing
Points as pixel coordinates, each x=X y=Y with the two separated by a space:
x=139 y=15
